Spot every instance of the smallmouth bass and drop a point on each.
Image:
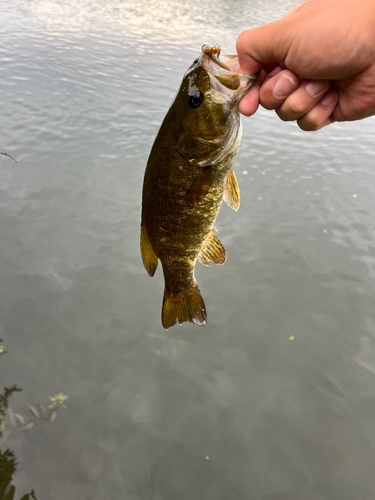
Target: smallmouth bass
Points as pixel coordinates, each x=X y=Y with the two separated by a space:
x=188 y=174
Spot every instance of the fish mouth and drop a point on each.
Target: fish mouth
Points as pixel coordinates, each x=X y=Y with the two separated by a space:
x=223 y=75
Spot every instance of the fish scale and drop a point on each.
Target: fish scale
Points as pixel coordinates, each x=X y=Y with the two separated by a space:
x=188 y=174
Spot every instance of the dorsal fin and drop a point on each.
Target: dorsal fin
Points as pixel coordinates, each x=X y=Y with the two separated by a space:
x=232 y=192
x=212 y=250
x=150 y=260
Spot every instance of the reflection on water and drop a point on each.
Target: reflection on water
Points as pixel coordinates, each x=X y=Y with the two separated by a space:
x=23 y=419
x=235 y=410
x=8 y=462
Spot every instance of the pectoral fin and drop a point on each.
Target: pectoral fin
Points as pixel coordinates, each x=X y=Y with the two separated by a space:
x=150 y=260
x=232 y=192
x=200 y=187
x=212 y=250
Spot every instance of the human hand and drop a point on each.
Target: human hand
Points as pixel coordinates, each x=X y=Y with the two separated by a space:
x=317 y=63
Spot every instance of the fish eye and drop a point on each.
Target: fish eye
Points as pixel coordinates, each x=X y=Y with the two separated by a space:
x=195 y=100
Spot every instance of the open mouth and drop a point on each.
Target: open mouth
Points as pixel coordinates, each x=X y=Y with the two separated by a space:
x=222 y=72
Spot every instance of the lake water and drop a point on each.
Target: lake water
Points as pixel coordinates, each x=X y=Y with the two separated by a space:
x=275 y=398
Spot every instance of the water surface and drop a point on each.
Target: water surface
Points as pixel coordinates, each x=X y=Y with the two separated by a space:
x=274 y=399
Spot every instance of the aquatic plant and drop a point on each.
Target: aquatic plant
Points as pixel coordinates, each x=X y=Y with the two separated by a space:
x=25 y=418
x=22 y=420
x=8 y=391
x=2 y=347
x=8 y=462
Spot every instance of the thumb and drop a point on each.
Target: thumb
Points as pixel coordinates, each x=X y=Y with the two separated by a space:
x=264 y=44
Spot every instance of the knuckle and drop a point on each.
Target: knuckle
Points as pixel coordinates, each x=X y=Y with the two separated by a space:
x=296 y=108
x=308 y=125
x=267 y=105
x=266 y=98
x=292 y=109
x=283 y=116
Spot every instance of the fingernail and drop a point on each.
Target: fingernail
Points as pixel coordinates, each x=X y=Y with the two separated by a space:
x=283 y=86
x=315 y=88
x=329 y=98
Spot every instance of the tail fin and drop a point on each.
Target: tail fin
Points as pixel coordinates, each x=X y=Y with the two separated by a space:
x=184 y=306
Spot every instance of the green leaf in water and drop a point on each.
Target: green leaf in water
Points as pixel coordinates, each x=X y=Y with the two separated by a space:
x=20 y=418
x=27 y=426
x=35 y=411
x=12 y=417
x=58 y=400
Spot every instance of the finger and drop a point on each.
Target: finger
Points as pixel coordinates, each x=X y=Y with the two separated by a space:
x=270 y=66
x=321 y=115
x=277 y=88
x=294 y=9
x=250 y=102
x=275 y=71
x=248 y=63
x=337 y=114
x=303 y=99
x=263 y=44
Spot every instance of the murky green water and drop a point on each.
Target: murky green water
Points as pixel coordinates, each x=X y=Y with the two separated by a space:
x=236 y=410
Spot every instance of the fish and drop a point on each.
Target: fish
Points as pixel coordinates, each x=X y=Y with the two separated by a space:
x=188 y=175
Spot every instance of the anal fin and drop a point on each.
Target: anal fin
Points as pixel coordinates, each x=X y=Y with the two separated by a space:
x=212 y=250
x=232 y=192
x=150 y=260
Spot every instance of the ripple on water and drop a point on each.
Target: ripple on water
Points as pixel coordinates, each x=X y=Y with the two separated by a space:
x=85 y=85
